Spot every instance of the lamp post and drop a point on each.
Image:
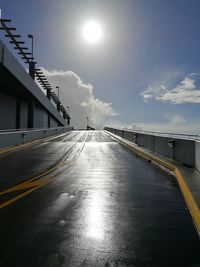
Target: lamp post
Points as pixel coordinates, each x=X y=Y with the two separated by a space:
x=58 y=91
x=68 y=117
x=87 y=123
x=32 y=63
x=31 y=37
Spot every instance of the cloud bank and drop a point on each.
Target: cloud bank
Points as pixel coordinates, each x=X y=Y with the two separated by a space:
x=184 y=92
x=80 y=99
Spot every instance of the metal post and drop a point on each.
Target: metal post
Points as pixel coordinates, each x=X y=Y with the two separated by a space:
x=58 y=107
x=58 y=91
x=32 y=70
x=31 y=37
x=87 y=123
x=68 y=119
x=31 y=64
x=64 y=115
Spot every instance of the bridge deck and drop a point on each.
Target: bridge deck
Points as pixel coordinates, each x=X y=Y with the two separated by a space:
x=84 y=200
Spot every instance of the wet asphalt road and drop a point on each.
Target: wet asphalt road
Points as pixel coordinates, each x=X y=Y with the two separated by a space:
x=101 y=206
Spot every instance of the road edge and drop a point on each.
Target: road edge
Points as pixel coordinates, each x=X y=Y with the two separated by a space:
x=186 y=192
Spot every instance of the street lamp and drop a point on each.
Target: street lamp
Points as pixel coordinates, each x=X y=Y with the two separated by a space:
x=31 y=37
x=31 y=63
x=58 y=91
x=87 y=123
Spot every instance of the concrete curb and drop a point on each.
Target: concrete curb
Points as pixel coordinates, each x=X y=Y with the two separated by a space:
x=189 y=199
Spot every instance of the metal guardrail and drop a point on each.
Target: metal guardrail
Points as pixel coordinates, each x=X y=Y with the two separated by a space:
x=164 y=134
x=12 y=138
x=181 y=147
x=32 y=129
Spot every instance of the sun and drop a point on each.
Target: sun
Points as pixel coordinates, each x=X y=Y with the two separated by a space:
x=92 y=32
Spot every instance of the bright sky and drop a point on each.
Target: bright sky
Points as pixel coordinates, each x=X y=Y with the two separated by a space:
x=144 y=71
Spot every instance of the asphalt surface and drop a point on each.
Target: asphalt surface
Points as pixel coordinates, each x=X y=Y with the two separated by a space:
x=84 y=200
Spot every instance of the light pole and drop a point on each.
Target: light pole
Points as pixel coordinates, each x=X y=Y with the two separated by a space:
x=32 y=63
x=87 y=123
x=68 y=117
x=31 y=37
x=58 y=91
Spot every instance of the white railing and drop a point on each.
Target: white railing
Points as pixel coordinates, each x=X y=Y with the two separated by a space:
x=186 y=136
x=16 y=137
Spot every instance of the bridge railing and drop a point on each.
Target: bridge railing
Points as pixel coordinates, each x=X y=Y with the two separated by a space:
x=183 y=148
x=164 y=134
x=13 y=137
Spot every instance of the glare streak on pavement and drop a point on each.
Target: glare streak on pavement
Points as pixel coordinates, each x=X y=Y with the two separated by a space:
x=106 y=207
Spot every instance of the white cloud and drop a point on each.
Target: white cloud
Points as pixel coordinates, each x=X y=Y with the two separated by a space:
x=80 y=98
x=184 y=92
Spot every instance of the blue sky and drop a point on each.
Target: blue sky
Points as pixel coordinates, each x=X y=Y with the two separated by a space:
x=147 y=44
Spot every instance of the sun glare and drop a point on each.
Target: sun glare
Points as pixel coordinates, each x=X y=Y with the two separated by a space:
x=92 y=32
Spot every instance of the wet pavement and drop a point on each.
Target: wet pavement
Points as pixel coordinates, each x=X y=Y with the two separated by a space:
x=94 y=203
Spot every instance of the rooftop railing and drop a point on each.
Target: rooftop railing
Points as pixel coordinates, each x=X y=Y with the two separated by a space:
x=28 y=58
x=164 y=134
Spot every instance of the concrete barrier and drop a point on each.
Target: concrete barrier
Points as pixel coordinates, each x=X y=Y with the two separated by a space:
x=191 y=201
x=21 y=137
x=185 y=151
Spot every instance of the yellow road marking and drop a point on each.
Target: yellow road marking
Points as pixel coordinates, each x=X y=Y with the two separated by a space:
x=37 y=185
x=32 y=184
x=187 y=194
x=27 y=182
x=191 y=203
x=24 y=185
